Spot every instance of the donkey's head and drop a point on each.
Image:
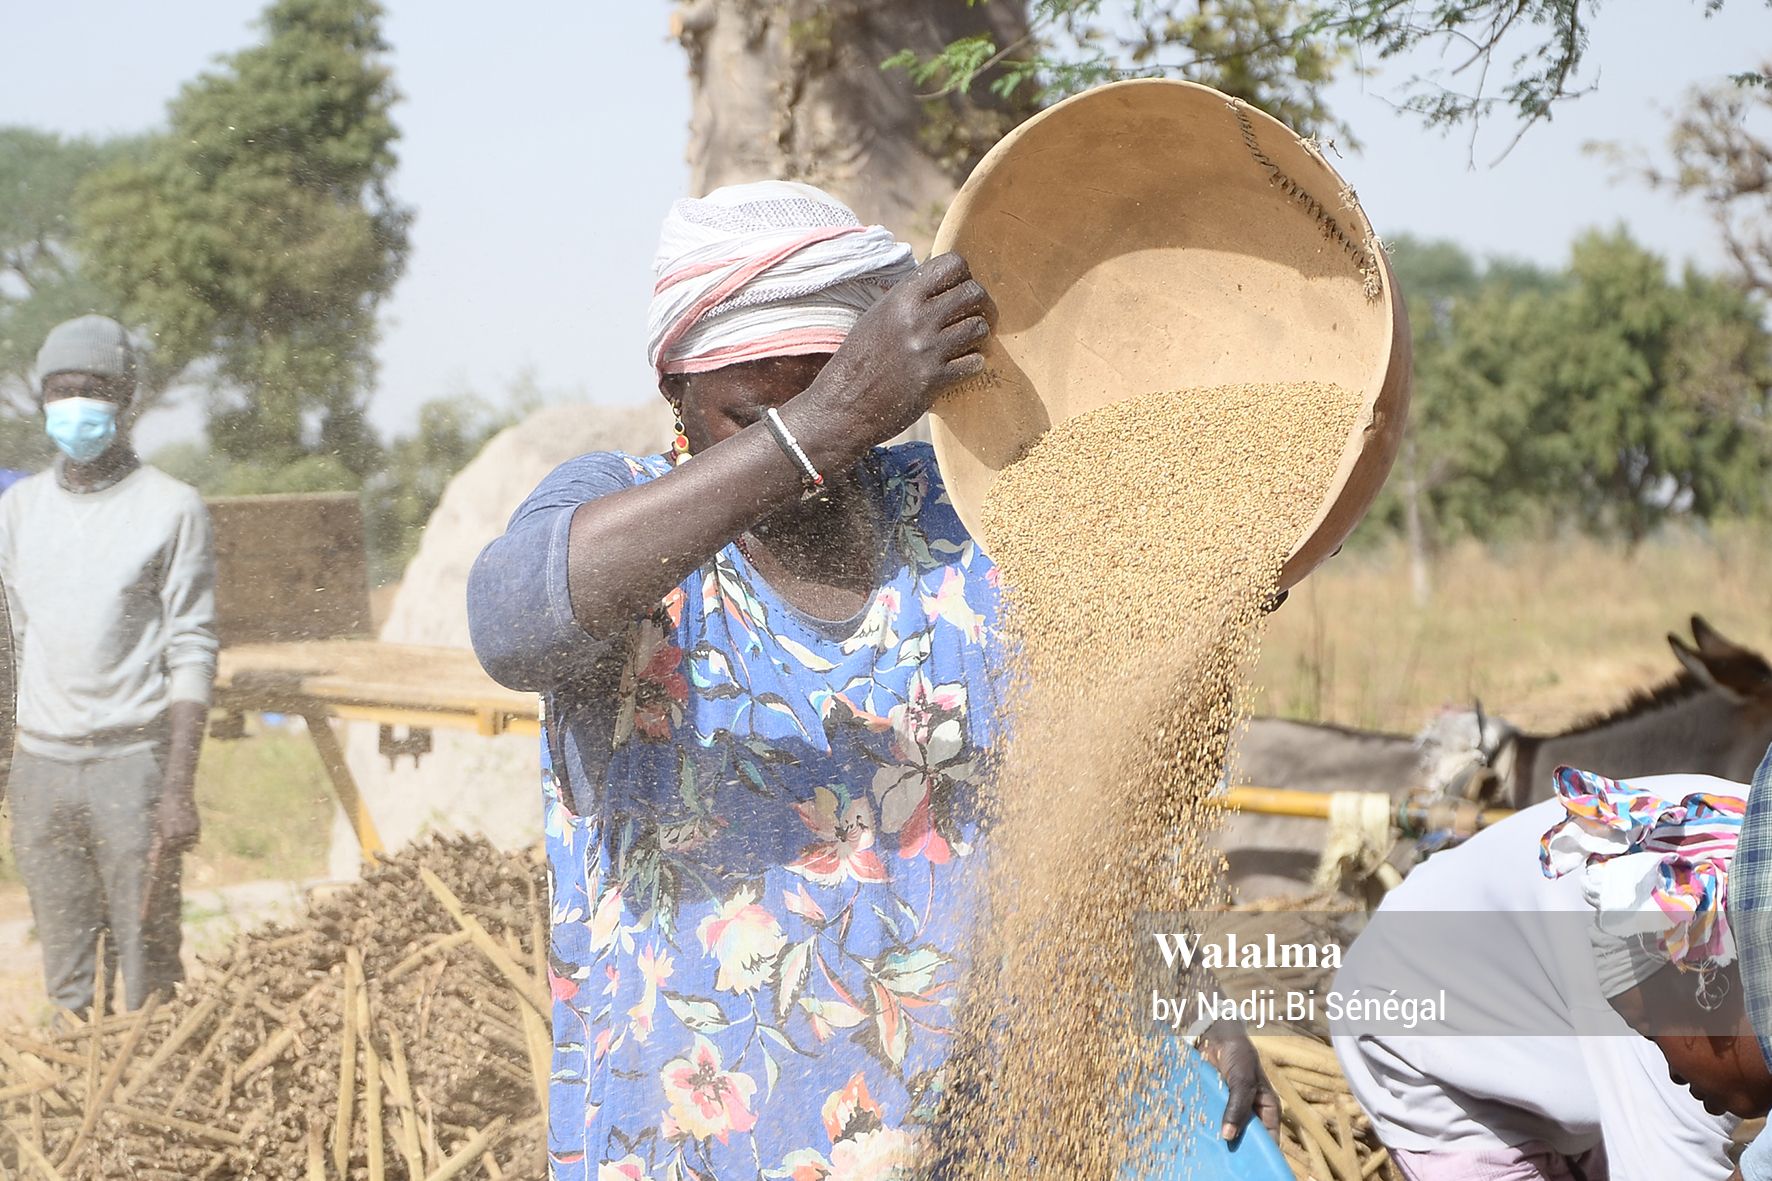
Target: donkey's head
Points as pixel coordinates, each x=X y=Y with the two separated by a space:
x=1714 y=719
x=1723 y=666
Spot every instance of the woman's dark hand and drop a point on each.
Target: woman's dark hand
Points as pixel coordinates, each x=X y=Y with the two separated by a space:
x=918 y=340
x=1229 y=1049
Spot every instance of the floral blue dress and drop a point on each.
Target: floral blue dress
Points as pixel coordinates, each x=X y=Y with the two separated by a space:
x=761 y=906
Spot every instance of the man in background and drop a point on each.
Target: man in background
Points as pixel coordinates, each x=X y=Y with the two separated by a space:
x=109 y=573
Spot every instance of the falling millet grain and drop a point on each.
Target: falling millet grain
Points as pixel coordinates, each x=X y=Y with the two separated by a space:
x=1137 y=544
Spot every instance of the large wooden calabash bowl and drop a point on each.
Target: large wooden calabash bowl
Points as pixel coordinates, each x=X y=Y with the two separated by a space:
x=1158 y=235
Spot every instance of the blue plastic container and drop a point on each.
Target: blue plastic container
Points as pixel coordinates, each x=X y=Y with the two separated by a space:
x=1196 y=1152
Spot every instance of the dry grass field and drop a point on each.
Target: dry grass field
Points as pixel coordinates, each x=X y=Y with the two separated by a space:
x=1541 y=632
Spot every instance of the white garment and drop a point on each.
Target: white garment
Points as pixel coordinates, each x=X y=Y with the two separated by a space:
x=763 y=270
x=1756 y=1160
x=1448 y=1092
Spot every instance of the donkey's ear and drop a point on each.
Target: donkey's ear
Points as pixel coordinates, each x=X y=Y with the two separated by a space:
x=1689 y=660
x=1714 y=644
x=1735 y=672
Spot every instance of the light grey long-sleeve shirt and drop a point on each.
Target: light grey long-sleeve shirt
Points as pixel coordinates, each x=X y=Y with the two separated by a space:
x=112 y=594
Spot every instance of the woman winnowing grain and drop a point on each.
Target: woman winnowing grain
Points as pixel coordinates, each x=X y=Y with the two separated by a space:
x=768 y=700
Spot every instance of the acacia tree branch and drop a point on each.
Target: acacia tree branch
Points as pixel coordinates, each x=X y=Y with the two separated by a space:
x=953 y=86
x=1284 y=40
x=1484 y=49
x=1488 y=56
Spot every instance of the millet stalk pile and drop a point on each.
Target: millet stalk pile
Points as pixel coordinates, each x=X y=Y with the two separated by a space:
x=397 y=1033
x=1139 y=545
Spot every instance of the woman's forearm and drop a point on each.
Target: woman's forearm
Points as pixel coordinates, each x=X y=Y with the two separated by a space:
x=627 y=550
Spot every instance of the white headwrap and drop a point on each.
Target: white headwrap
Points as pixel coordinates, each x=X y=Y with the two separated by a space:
x=771 y=269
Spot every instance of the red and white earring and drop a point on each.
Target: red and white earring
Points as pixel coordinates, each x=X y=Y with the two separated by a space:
x=680 y=442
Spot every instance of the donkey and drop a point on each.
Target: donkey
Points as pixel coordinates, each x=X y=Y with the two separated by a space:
x=1713 y=717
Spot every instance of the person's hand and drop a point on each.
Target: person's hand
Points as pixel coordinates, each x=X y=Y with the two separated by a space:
x=1229 y=1049
x=918 y=340
x=175 y=831
x=176 y=820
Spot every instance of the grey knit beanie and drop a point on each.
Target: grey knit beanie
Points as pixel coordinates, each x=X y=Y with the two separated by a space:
x=89 y=344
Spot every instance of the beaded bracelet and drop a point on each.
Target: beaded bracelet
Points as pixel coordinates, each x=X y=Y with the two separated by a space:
x=810 y=480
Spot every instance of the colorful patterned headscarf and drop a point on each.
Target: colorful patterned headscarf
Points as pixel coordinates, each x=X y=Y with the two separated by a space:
x=1654 y=868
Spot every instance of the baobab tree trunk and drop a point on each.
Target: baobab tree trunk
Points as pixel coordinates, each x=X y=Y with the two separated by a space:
x=793 y=90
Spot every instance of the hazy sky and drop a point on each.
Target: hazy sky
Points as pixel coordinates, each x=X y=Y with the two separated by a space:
x=542 y=141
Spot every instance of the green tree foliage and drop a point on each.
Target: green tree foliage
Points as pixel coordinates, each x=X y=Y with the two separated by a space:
x=1655 y=393
x=42 y=281
x=23 y=445
x=259 y=236
x=1609 y=396
x=1477 y=404
x=400 y=498
x=215 y=474
x=1523 y=56
x=1472 y=402
x=1254 y=49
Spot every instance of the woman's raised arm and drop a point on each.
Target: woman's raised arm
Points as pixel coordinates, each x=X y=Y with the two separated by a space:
x=628 y=549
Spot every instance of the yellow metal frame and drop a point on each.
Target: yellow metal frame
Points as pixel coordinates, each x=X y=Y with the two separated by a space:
x=486 y=723
x=344 y=785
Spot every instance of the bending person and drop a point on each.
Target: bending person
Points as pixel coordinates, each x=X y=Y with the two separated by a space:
x=1750 y=912
x=1530 y=1074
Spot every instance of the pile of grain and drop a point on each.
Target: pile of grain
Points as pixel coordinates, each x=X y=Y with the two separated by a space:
x=1138 y=546
x=399 y=1032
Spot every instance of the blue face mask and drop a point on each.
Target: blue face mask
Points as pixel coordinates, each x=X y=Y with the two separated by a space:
x=83 y=428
